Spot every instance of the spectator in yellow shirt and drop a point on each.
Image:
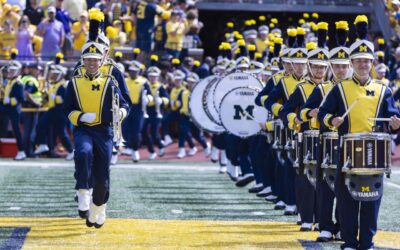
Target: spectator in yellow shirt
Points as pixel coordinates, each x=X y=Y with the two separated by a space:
x=79 y=32
x=116 y=35
x=176 y=30
x=262 y=42
x=7 y=39
x=9 y=14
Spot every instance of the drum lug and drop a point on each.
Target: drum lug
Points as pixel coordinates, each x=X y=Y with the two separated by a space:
x=307 y=158
x=347 y=165
x=326 y=162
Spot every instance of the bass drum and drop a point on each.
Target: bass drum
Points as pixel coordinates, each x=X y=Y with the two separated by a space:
x=239 y=114
x=208 y=101
x=196 y=110
x=232 y=81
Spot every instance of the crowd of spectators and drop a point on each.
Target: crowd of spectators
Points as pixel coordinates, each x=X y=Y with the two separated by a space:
x=41 y=28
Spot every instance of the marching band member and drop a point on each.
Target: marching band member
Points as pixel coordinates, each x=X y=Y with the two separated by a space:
x=170 y=114
x=372 y=99
x=108 y=67
x=96 y=34
x=11 y=103
x=317 y=68
x=237 y=149
x=140 y=95
x=54 y=117
x=174 y=114
x=256 y=68
x=280 y=94
x=33 y=99
x=92 y=133
x=264 y=149
x=160 y=99
x=218 y=152
x=187 y=129
x=339 y=64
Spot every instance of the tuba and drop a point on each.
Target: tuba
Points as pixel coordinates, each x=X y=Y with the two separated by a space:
x=116 y=118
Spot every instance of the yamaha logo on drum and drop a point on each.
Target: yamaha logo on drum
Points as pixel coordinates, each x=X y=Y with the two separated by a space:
x=245 y=93
x=239 y=78
x=246 y=113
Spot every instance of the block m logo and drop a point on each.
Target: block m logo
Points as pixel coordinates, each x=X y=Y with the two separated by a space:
x=96 y=87
x=370 y=92
x=247 y=112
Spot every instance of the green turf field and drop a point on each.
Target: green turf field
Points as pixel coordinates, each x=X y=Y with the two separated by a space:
x=168 y=197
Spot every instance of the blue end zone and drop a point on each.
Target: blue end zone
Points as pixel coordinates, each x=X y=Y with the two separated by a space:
x=16 y=239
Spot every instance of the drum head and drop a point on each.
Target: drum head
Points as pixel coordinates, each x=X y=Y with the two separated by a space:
x=208 y=101
x=239 y=114
x=232 y=81
x=196 y=110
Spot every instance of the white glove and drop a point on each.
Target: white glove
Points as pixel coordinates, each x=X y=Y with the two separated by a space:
x=88 y=117
x=150 y=98
x=145 y=100
x=53 y=97
x=6 y=100
x=172 y=103
x=159 y=100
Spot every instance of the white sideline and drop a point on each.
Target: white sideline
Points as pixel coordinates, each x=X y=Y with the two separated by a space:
x=160 y=166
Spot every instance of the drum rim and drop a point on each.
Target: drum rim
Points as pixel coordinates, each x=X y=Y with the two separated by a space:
x=311 y=132
x=205 y=101
x=241 y=136
x=372 y=135
x=194 y=119
x=330 y=135
x=218 y=108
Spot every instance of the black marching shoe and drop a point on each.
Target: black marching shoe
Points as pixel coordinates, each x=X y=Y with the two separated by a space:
x=83 y=214
x=325 y=236
x=244 y=180
x=88 y=223
x=256 y=188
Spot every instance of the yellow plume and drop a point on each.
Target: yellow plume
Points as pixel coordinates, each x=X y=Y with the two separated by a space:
x=322 y=26
x=343 y=25
x=311 y=46
x=361 y=18
x=136 y=51
x=301 y=31
x=291 y=32
x=154 y=57
x=251 y=47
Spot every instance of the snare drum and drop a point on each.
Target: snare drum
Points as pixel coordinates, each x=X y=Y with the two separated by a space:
x=329 y=149
x=367 y=153
x=282 y=136
x=310 y=146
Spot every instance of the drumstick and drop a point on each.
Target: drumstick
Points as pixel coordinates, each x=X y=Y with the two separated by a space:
x=380 y=119
x=250 y=116
x=350 y=108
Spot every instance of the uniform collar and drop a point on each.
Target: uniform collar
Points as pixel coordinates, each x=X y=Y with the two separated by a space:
x=313 y=82
x=92 y=77
x=297 y=79
x=359 y=83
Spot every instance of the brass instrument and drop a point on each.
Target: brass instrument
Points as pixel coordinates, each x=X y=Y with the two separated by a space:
x=158 y=106
x=144 y=104
x=116 y=118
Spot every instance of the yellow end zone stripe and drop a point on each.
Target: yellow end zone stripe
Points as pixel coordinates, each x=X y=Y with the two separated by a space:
x=67 y=233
